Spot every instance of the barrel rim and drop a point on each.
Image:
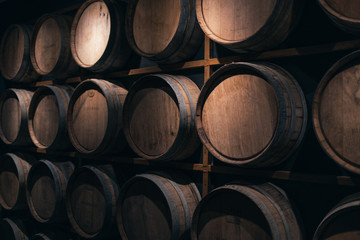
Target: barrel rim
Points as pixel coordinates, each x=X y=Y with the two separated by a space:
x=237 y=189
x=344 y=63
x=180 y=100
x=108 y=193
x=111 y=48
x=17 y=234
x=154 y=179
x=272 y=18
x=215 y=79
x=62 y=100
x=53 y=171
x=103 y=87
x=15 y=161
x=26 y=54
x=65 y=35
x=329 y=10
x=22 y=128
x=335 y=212
x=172 y=46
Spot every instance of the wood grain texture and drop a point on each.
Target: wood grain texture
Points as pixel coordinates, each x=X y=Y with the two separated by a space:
x=159 y=114
x=14 y=105
x=98 y=40
x=343 y=14
x=237 y=211
x=228 y=119
x=156 y=206
x=95 y=117
x=334 y=112
x=15 y=63
x=47 y=117
x=251 y=115
x=248 y=25
x=14 y=170
x=341 y=221
x=155 y=24
x=50 y=46
x=164 y=31
x=91 y=202
x=46 y=187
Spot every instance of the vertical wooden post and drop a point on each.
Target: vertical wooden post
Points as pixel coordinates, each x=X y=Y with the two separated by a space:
x=206 y=156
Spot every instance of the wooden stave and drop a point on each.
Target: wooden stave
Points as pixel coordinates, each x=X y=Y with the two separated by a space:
x=16 y=227
x=24 y=97
x=280 y=81
x=62 y=94
x=173 y=192
x=187 y=93
x=277 y=28
x=111 y=193
x=65 y=66
x=269 y=198
x=347 y=24
x=345 y=205
x=61 y=176
x=26 y=72
x=22 y=164
x=115 y=102
x=185 y=43
x=117 y=46
x=338 y=66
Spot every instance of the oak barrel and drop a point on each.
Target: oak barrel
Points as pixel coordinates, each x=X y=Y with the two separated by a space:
x=165 y=31
x=57 y=234
x=14 y=170
x=94 y=117
x=251 y=115
x=248 y=25
x=98 y=41
x=91 y=197
x=14 y=106
x=156 y=206
x=46 y=188
x=342 y=221
x=251 y=212
x=15 y=63
x=12 y=229
x=159 y=117
x=50 y=51
x=47 y=117
x=344 y=14
x=335 y=107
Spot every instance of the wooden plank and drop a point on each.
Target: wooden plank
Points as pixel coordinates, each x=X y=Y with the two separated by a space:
x=288 y=176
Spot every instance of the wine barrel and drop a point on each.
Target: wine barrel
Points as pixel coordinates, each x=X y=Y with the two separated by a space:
x=251 y=115
x=14 y=170
x=47 y=117
x=53 y=235
x=98 y=41
x=165 y=31
x=159 y=117
x=50 y=51
x=14 y=106
x=46 y=188
x=335 y=117
x=343 y=14
x=94 y=117
x=235 y=211
x=15 y=63
x=156 y=206
x=248 y=25
x=12 y=230
x=341 y=223
x=91 y=197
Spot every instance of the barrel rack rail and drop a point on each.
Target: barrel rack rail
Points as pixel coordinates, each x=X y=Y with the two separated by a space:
x=206 y=167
